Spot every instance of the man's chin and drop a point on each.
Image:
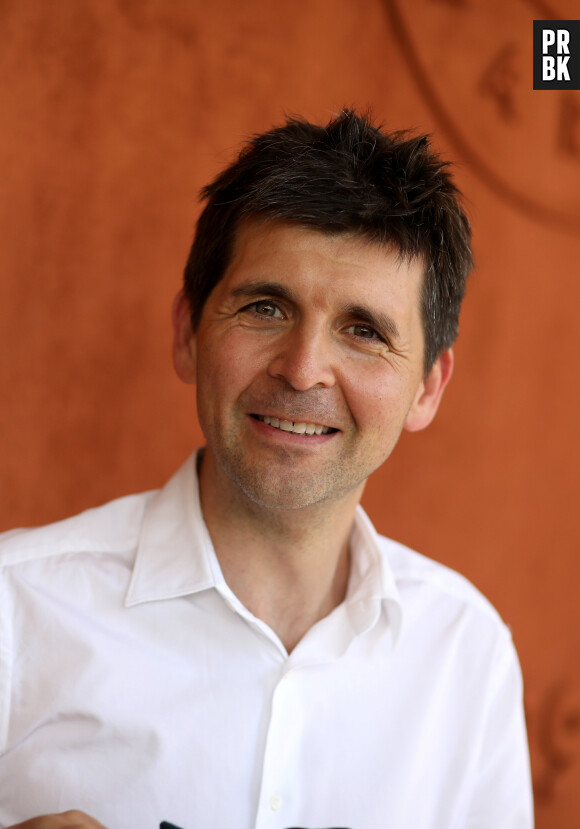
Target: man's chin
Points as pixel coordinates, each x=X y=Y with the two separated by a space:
x=278 y=495
x=288 y=490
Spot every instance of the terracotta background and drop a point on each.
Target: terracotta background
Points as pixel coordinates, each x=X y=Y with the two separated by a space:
x=115 y=112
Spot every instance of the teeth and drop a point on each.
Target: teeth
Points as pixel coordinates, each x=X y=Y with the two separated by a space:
x=296 y=428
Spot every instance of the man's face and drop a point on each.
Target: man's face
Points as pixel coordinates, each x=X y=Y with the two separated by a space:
x=309 y=362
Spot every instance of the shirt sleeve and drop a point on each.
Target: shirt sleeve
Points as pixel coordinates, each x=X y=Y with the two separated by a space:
x=503 y=798
x=5 y=659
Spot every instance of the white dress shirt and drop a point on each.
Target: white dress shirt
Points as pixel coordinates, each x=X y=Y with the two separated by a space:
x=135 y=686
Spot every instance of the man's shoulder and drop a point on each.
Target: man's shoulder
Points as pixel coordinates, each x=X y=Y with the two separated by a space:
x=416 y=573
x=109 y=528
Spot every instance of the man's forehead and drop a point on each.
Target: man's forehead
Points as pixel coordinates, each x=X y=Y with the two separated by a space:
x=257 y=229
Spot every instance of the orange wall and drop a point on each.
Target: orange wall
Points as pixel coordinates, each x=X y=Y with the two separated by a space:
x=115 y=113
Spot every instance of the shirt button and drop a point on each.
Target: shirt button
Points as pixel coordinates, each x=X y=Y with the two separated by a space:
x=275 y=802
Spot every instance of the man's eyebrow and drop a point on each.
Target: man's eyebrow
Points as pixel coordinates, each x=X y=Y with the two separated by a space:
x=382 y=323
x=259 y=288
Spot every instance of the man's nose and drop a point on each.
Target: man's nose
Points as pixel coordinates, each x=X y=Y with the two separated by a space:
x=304 y=358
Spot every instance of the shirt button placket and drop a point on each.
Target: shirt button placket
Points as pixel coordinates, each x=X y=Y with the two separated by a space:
x=275 y=769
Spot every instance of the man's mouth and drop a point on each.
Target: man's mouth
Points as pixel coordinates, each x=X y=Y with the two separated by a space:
x=297 y=427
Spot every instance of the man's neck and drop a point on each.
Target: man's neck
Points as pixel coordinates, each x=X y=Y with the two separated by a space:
x=290 y=568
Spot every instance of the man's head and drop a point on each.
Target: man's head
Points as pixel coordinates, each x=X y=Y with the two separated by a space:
x=346 y=178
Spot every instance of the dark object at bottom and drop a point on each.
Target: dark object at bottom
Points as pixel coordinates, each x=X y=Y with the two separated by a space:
x=166 y=825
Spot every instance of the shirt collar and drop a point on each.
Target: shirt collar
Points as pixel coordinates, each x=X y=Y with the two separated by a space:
x=175 y=557
x=174 y=553
x=372 y=587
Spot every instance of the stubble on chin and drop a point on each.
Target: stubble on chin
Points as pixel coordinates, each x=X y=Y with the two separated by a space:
x=282 y=483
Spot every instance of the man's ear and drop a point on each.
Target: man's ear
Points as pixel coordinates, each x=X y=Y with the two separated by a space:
x=429 y=393
x=184 y=352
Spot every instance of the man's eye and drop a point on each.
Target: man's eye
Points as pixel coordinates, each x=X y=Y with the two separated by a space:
x=265 y=308
x=364 y=332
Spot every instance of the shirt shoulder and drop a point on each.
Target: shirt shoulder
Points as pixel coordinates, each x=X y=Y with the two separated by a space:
x=110 y=528
x=414 y=571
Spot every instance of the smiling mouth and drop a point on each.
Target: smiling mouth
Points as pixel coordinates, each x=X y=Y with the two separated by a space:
x=297 y=428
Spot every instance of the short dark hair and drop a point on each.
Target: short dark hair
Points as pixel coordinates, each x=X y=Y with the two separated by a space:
x=349 y=176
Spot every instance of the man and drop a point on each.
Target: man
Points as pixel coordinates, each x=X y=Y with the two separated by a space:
x=241 y=649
